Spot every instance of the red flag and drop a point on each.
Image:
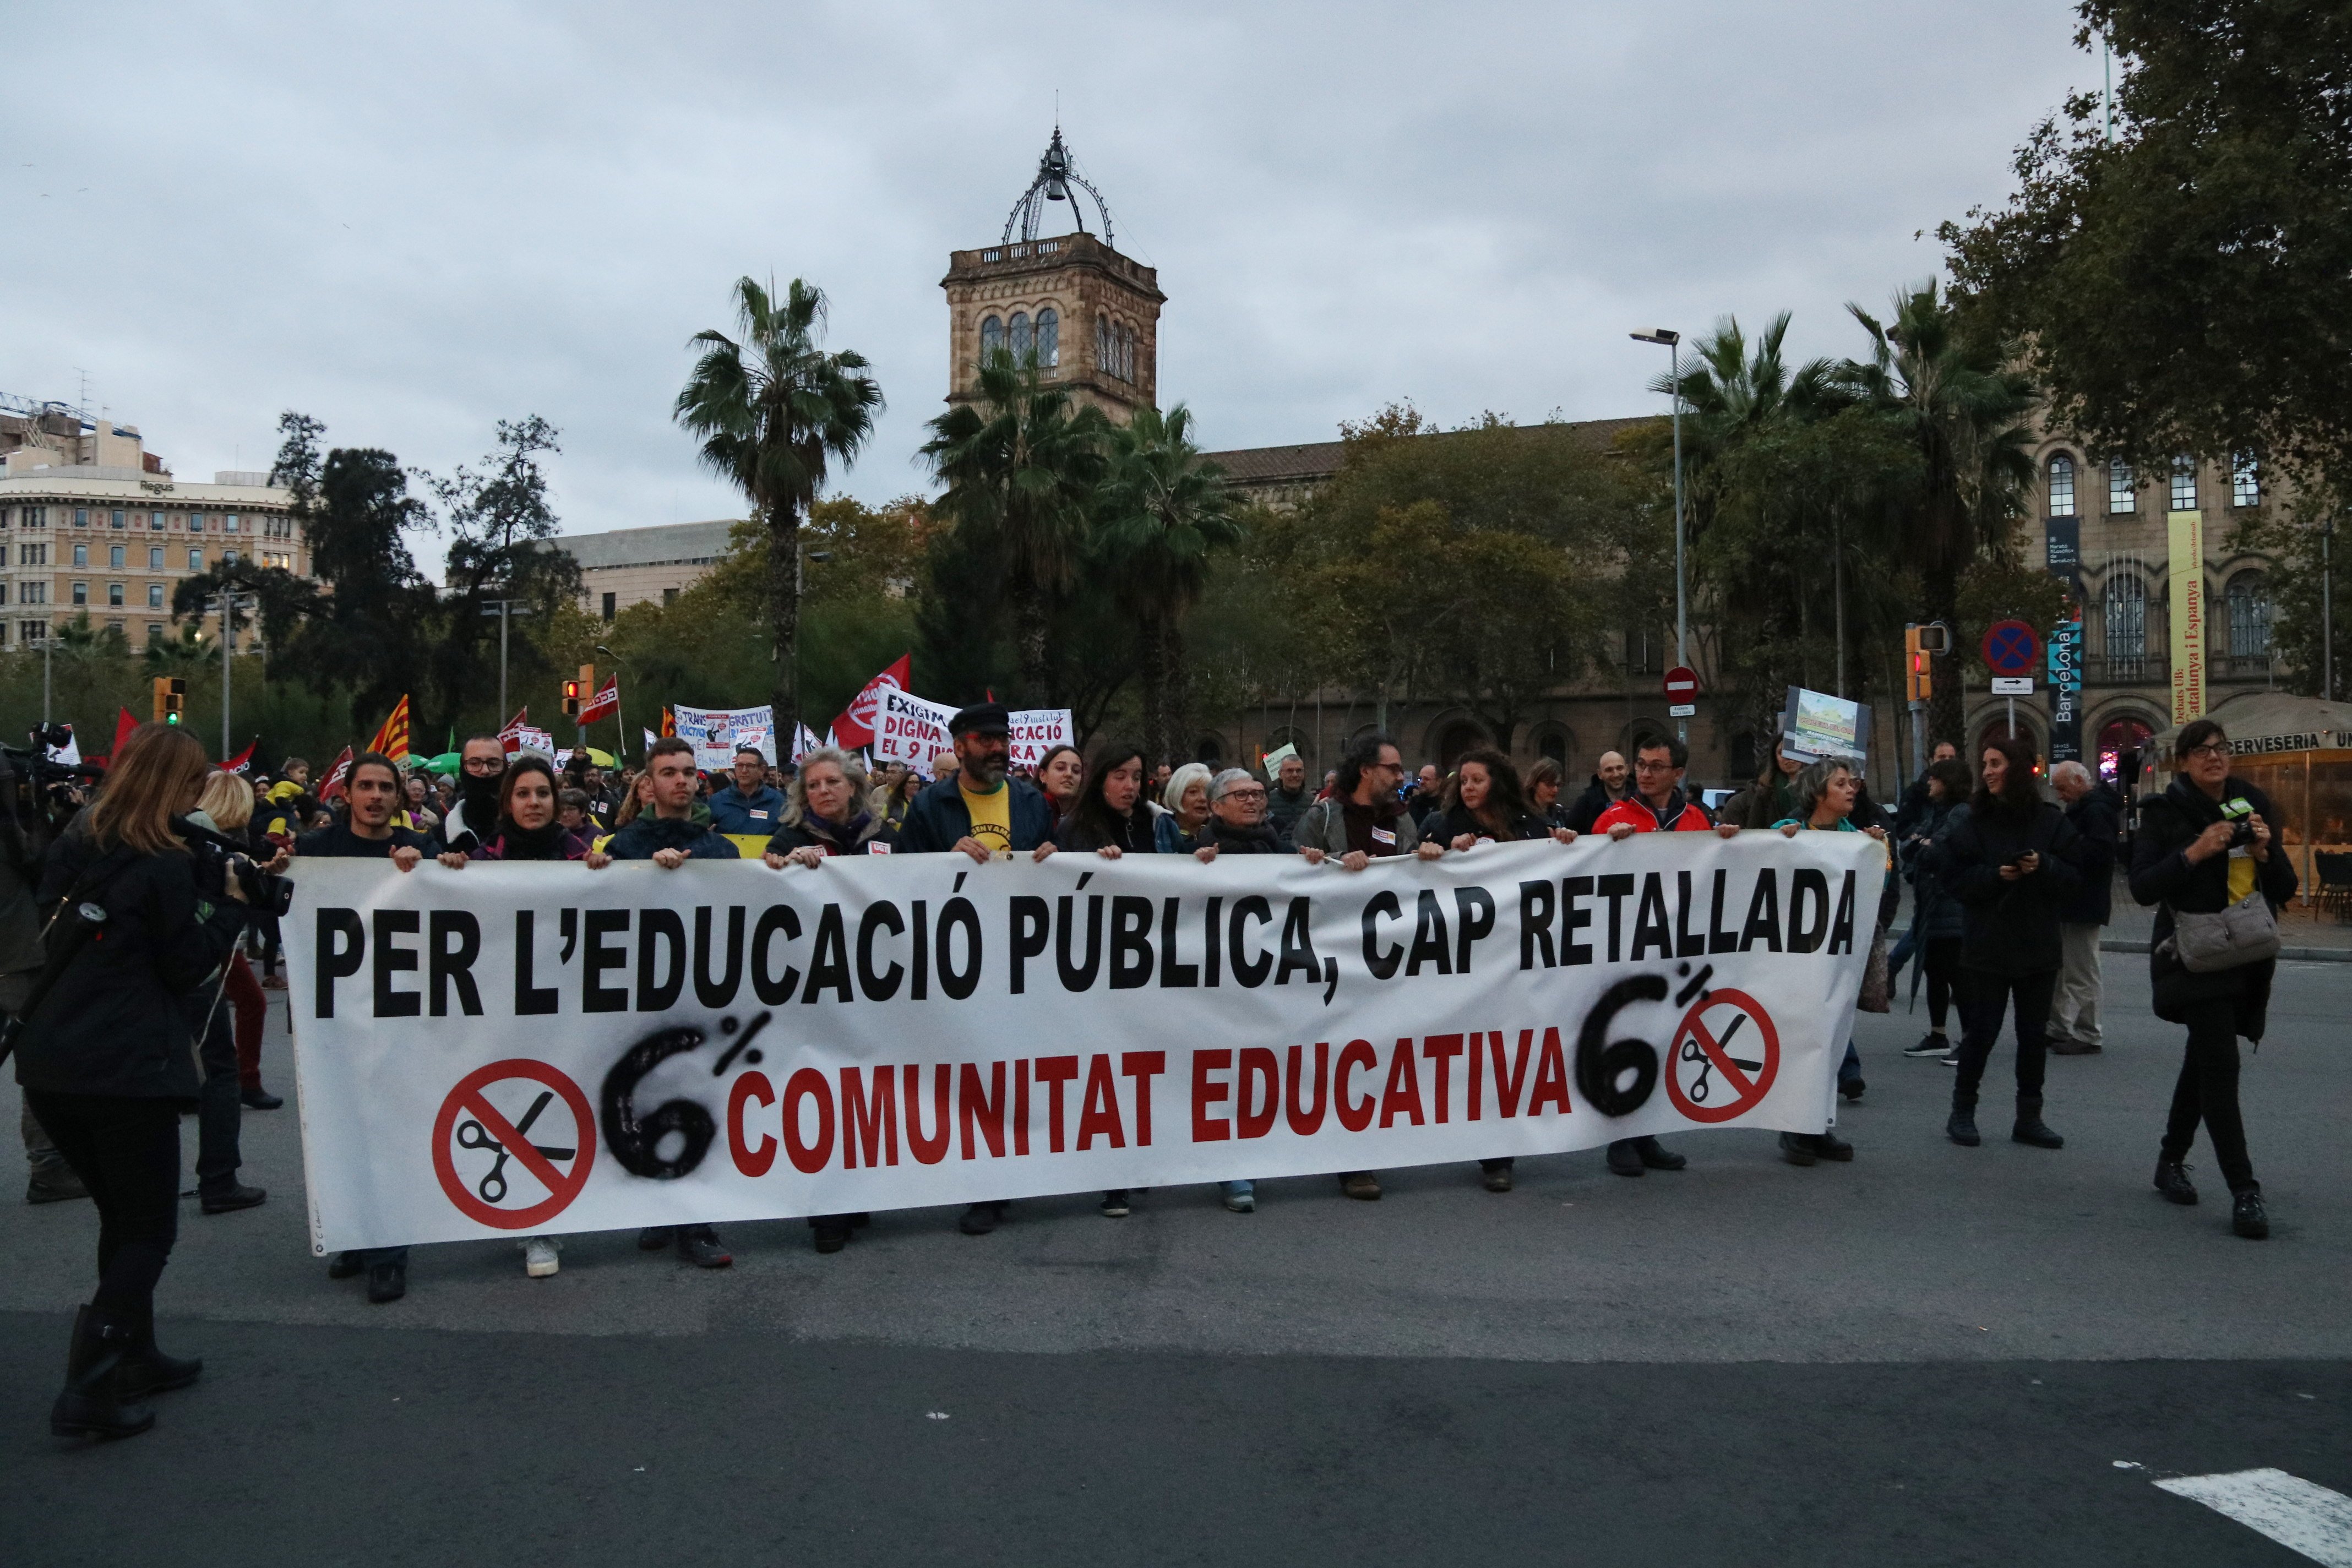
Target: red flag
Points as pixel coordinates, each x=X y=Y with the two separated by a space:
x=670 y=724
x=243 y=760
x=123 y=724
x=604 y=704
x=856 y=727
x=335 y=777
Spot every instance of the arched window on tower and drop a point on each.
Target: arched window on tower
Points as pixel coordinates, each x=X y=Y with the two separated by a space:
x=1018 y=337
x=1127 y=353
x=1102 y=345
x=991 y=337
x=2248 y=598
x=2127 y=597
x=2062 y=486
x=1049 y=336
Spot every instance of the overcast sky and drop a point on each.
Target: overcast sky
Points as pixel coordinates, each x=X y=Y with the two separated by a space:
x=414 y=220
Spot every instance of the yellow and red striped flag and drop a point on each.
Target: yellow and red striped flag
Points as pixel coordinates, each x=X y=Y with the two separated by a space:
x=391 y=740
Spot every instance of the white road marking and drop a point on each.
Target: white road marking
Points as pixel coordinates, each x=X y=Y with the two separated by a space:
x=2298 y=1514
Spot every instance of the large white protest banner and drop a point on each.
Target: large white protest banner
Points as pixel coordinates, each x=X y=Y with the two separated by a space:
x=907 y=727
x=1035 y=731
x=717 y=732
x=540 y=1047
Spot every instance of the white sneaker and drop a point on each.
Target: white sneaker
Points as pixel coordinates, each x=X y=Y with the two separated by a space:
x=538 y=1259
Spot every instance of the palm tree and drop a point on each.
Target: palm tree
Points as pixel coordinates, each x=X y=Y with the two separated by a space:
x=773 y=412
x=1968 y=412
x=1021 y=464
x=1162 y=511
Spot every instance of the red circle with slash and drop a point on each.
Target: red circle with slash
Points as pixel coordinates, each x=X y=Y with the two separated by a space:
x=562 y=1186
x=1748 y=1080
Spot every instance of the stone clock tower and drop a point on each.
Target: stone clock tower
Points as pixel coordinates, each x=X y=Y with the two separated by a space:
x=1087 y=315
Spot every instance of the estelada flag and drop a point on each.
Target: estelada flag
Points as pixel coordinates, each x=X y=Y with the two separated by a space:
x=604 y=704
x=392 y=737
x=243 y=760
x=855 y=725
x=333 y=785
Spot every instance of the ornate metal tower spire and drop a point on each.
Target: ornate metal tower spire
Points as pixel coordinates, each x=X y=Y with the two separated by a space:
x=1055 y=175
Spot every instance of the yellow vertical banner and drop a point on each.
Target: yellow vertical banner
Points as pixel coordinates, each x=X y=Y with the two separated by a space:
x=2185 y=531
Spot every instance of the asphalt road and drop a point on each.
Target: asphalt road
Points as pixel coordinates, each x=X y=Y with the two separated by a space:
x=1932 y=1355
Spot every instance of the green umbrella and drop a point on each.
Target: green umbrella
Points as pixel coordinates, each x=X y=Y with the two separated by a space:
x=446 y=762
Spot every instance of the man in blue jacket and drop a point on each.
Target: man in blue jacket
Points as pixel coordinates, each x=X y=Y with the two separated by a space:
x=667 y=835
x=749 y=804
x=980 y=811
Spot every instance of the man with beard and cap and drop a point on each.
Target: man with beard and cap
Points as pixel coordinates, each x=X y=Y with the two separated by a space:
x=977 y=811
x=473 y=818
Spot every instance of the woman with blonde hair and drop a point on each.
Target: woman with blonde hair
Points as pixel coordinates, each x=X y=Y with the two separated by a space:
x=228 y=1024
x=103 y=1053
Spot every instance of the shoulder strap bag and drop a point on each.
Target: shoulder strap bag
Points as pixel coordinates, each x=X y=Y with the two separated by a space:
x=2246 y=933
x=74 y=926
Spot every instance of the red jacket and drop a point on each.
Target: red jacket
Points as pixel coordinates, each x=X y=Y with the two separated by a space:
x=1681 y=816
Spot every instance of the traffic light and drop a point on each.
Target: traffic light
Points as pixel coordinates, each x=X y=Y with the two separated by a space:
x=1920 y=646
x=572 y=696
x=170 y=697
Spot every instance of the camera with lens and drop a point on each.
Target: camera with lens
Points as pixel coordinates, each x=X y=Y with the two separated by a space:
x=220 y=858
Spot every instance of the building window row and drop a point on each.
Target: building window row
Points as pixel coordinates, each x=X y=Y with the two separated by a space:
x=2245 y=485
x=153 y=521
x=1025 y=339
x=1115 y=344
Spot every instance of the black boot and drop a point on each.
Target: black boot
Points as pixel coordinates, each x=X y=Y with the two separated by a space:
x=2172 y=1181
x=1961 y=1128
x=2247 y=1216
x=2031 y=1128
x=146 y=1370
x=90 y=1406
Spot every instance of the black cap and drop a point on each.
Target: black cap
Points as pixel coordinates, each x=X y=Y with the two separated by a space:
x=981 y=719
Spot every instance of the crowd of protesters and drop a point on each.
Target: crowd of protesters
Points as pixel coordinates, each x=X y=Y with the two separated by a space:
x=2011 y=876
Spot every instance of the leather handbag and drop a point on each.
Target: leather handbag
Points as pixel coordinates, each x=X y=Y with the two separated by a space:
x=1878 y=995
x=2246 y=933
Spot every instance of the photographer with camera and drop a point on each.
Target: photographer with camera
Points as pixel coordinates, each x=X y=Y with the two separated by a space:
x=366 y=831
x=23 y=821
x=104 y=1056
x=226 y=1017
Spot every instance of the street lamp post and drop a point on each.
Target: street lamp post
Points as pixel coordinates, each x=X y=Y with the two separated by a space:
x=1671 y=341
x=230 y=603
x=505 y=609
x=2326 y=613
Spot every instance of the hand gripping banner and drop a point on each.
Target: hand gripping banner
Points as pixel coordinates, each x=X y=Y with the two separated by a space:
x=540 y=1047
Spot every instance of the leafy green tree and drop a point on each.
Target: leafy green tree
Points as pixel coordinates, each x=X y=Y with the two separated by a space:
x=1967 y=411
x=2308 y=570
x=370 y=632
x=500 y=522
x=1021 y=464
x=773 y=411
x=1163 y=512
x=2187 y=286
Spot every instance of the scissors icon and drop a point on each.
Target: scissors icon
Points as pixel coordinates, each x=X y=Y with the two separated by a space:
x=1693 y=1052
x=474 y=1135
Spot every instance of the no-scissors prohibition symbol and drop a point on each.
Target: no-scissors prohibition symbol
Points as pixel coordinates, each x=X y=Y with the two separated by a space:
x=534 y=1151
x=1717 y=1067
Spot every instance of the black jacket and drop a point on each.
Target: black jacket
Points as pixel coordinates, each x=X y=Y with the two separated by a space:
x=1260 y=838
x=1936 y=914
x=1283 y=811
x=1588 y=808
x=117 y=1020
x=938 y=819
x=1444 y=828
x=1134 y=833
x=650 y=834
x=2161 y=875
x=2010 y=928
x=851 y=837
x=2093 y=819
x=1913 y=810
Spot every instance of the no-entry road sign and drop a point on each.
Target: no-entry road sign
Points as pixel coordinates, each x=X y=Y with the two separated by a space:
x=1681 y=684
x=2011 y=648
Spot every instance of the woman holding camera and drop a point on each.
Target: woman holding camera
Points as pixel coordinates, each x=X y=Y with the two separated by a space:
x=2205 y=844
x=106 y=1060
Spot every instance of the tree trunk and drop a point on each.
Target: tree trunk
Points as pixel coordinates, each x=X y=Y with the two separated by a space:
x=1176 y=687
x=1032 y=624
x=785 y=623
x=1152 y=673
x=1946 y=704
